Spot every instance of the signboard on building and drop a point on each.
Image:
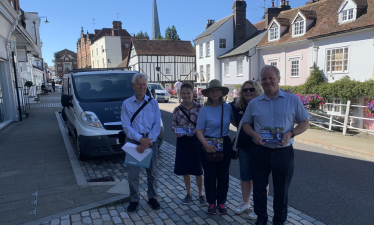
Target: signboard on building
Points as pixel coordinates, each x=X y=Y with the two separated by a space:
x=21 y=55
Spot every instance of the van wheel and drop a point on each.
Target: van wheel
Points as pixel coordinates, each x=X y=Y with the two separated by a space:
x=81 y=156
x=166 y=101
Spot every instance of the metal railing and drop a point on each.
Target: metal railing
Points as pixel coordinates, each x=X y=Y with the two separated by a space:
x=343 y=123
x=24 y=101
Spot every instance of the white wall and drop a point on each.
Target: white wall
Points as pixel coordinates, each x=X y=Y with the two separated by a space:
x=225 y=31
x=108 y=47
x=360 y=58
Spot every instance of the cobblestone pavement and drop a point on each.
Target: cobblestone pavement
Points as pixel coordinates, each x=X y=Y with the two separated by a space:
x=171 y=192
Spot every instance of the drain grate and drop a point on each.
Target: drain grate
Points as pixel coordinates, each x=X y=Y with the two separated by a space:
x=102 y=179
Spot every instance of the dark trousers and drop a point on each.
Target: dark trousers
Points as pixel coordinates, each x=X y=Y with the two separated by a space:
x=216 y=175
x=280 y=163
x=53 y=88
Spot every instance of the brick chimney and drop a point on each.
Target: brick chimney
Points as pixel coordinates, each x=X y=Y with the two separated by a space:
x=117 y=27
x=209 y=23
x=240 y=21
x=274 y=12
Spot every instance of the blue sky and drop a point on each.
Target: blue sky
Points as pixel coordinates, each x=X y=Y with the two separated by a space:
x=188 y=16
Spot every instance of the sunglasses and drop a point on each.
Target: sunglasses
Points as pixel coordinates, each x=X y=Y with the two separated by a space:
x=249 y=89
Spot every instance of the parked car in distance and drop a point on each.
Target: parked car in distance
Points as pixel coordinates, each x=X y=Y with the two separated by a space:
x=161 y=93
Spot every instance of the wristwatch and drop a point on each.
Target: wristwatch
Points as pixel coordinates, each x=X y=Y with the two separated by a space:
x=293 y=134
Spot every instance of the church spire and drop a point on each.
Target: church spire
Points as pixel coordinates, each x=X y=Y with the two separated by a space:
x=155 y=22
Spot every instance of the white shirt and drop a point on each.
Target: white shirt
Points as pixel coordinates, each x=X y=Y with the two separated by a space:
x=178 y=85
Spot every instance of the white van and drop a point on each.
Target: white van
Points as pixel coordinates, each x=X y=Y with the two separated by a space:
x=92 y=101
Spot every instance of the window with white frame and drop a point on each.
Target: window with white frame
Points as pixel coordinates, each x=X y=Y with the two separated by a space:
x=167 y=68
x=202 y=73
x=97 y=51
x=201 y=50
x=295 y=63
x=337 y=60
x=207 y=47
x=98 y=65
x=274 y=63
x=103 y=62
x=208 y=72
x=347 y=15
x=227 y=67
x=93 y=64
x=274 y=32
x=222 y=43
x=299 y=26
x=239 y=65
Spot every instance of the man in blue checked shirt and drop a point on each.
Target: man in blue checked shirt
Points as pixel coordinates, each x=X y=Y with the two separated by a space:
x=143 y=131
x=275 y=109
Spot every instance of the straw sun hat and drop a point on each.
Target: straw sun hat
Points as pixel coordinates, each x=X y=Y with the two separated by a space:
x=215 y=84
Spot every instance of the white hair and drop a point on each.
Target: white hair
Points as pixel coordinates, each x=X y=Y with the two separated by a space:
x=276 y=70
x=140 y=76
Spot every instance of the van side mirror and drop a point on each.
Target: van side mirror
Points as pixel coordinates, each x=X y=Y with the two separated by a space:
x=65 y=101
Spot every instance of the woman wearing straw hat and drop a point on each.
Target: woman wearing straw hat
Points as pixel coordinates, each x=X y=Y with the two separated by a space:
x=214 y=122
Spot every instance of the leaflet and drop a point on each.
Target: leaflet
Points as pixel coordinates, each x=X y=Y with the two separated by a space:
x=130 y=149
x=185 y=130
x=216 y=142
x=272 y=134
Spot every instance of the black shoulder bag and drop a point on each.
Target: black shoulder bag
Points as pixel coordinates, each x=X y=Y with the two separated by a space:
x=121 y=134
x=216 y=156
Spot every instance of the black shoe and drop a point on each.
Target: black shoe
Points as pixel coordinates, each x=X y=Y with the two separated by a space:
x=132 y=207
x=154 y=203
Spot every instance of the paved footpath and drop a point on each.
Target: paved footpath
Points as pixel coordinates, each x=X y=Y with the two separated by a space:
x=171 y=192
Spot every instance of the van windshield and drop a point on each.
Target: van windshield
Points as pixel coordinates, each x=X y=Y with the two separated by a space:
x=103 y=87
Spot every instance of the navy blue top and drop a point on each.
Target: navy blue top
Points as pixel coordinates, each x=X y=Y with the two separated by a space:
x=244 y=141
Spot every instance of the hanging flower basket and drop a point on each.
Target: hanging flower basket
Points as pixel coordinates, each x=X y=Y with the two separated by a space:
x=311 y=102
x=369 y=110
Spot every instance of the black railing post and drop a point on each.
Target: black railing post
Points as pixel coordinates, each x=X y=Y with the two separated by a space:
x=16 y=82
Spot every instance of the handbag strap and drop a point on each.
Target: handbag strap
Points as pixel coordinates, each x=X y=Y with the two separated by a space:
x=235 y=147
x=188 y=117
x=140 y=109
x=221 y=120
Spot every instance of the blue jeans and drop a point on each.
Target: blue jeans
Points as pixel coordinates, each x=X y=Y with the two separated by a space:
x=216 y=175
x=280 y=163
x=245 y=165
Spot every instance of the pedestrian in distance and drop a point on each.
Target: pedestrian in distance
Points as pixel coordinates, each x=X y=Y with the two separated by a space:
x=274 y=108
x=142 y=131
x=178 y=87
x=248 y=91
x=214 y=122
x=53 y=85
x=188 y=149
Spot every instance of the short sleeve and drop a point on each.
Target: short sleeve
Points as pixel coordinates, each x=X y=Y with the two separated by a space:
x=201 y=119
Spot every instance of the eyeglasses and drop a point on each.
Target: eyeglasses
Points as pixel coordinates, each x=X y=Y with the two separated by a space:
x=249 y=89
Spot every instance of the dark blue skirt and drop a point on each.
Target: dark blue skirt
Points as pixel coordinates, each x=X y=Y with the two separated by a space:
x=188 y=156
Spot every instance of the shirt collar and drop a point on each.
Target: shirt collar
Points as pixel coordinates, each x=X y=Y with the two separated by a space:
x=193 y=106
x=279 y=94
x=133 y=98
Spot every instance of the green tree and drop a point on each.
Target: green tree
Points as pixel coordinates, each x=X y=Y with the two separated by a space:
x=314 y=80
x=159 y=37
x=141 y=34
x=171 y=33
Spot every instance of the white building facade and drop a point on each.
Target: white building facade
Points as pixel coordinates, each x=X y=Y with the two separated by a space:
x=106 y=52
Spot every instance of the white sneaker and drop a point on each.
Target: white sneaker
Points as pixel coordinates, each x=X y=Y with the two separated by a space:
x=252 y=216
x=242 y=208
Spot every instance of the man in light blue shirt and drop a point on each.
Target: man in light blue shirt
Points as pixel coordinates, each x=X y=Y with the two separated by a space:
x=143 y=131
x=273 y=109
